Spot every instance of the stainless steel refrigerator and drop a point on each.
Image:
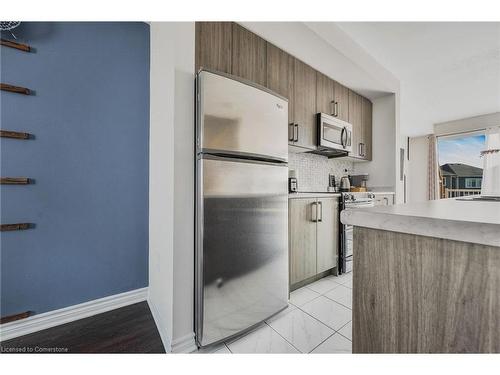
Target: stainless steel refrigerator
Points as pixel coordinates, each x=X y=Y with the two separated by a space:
x=241 y=206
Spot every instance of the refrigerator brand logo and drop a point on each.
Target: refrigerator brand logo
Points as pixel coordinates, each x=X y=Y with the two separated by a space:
x=279 y=106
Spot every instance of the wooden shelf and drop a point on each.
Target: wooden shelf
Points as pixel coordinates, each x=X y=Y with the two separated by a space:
x=12 y=318
x=11 y=44
x=12 y=227
x=15 y=89
x=14 y=180
x=13 y=134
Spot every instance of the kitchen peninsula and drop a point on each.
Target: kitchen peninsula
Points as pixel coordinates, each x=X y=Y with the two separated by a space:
x=426 y=277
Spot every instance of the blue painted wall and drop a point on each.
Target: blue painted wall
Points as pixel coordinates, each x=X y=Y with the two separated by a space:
x=89 y=160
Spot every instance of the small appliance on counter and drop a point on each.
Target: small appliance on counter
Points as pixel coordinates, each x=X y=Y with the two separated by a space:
x=358 y=181
x=332 y=185
x=345 y=184
x=292 y=181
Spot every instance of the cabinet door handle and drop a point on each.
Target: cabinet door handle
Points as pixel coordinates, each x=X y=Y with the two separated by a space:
x=314 y=212
x=320 y=204
x=296 y=133
x=386 y=201
x=337 y=109
x=291 y=132
x=363 y=153
x=332 y=107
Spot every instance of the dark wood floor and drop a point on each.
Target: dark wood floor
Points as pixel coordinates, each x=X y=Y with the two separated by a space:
x=130 y=329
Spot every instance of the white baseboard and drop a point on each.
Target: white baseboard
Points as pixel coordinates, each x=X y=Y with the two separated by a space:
x=70 y=314
x=161 y=330
x=185 y=344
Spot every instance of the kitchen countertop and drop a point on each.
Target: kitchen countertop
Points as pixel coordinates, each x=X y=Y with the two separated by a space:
x=381 y=190
x=467 y=221
x=313 y=195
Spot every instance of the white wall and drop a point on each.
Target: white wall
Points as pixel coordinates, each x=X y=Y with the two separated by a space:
x=401 y=143
x=417 y=169
x=183 y=339
x=171 y=183
x=161 y=179
x=382 y=169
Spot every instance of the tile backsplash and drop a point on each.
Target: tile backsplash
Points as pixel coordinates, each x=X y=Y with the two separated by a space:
x=313 y=170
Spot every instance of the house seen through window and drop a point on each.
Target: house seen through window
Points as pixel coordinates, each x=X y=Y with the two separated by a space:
x=461 y=166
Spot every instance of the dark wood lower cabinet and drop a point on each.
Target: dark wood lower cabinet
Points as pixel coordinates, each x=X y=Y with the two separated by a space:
x=416 y=294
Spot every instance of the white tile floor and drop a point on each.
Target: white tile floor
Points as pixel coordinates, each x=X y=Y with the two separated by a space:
x=318 y=320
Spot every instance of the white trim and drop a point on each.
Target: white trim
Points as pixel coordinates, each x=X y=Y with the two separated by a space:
x=70 y=314
x=184 y=344
x=466 y=125
x=161 y=330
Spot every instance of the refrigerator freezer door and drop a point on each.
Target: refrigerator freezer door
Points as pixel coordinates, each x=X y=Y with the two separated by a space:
x=238 y=118
x=242 y=247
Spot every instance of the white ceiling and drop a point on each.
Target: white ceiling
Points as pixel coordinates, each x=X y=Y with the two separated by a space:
x=447 y=71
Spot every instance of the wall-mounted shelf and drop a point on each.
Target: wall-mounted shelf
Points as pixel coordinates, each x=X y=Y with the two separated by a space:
x=15 y=89
x=11 y=44
x=12 y=318
x=14 y=180
x=12 y=227
x=15 y=135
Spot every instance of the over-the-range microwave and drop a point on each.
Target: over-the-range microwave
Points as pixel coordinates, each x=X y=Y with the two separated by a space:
x=334 y=136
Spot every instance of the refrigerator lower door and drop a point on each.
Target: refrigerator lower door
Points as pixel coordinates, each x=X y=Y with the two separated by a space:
x=242 y=246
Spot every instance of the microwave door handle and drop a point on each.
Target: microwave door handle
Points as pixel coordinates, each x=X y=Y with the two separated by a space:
x=344 y=132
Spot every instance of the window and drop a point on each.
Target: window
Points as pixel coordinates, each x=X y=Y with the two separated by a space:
x=461 y=164
x=473 y=183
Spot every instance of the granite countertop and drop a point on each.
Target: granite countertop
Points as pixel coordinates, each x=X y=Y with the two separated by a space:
x=467 y=221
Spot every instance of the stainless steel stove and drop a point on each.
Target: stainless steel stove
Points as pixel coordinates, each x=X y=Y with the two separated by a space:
x=351 y=201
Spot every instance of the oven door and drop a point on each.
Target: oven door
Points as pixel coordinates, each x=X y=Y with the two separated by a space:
x=334 y=133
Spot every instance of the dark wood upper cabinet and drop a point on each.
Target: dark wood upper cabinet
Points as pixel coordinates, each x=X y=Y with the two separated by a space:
x=248 y=55
x=366 y=126
x=230 y=48
x=360 y=116
x=341 y=97
x=305 y=105
x=280 y=73
x=324 y=94
x=355 y=108
x=213 y=42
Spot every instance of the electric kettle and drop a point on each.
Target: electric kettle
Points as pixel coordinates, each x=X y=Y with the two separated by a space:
x=345 y=184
